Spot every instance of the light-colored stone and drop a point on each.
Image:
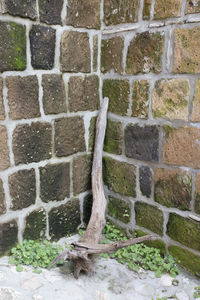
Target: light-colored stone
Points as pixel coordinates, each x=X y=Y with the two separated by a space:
x=182 y=295
x=166 y=280
x=38 y=297
x=101 y=295
x=144 y=289
x=8 y=294
x=32 y=283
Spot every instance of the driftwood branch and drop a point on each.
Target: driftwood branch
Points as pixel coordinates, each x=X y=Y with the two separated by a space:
x=88 y=244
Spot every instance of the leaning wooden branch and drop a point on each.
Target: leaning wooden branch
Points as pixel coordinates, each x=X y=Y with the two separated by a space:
x=89 y=243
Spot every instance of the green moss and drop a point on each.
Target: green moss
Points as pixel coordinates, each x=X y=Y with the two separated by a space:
x=140 y=99
x=169 y=131
x=119 y=209
x=113 y=138
x=35 y=225
x=186 y=259
x=159 y=244
x=147 y=9
x=18 y=37
x=197 y=203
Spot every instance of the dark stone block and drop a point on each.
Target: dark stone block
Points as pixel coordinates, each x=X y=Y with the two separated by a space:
x=82 y=167
x=119 y=209
x=8 y=236
x=145 y=181
x=113 y=138
x=2 y=199
x=50 y=11
x=87 y=208
x=142 y=142
x=32 y=143
x=42 y=40
x=55 y=182
x=22 y=8
x=65 y=219
x=4 y=151
x=22 y=187
x=35 y=225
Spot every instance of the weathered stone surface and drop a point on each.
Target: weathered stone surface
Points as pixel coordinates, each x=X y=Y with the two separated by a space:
x=112 y=55
x=169 y=9
x=54 y=98
x=83 y=93
x=32 y=143
x=92 y=131
x=55 y=182
x=118 y=92
x=42 y=41
x=22 y=186
x=119 y=209
x=145 y=53
x=25 y=9
x=69 y=136
x=95 y=52
x=142 y=142
x=181 y=146
x=186 y=259
x=140 y=99
x=50 y=11
x=12 y=47
x=192 y=6
x=149 y=216
x=117 y=12
x=8 y=236
x=35 y=225
x=197 y=194
x=75 y=52
x=146 y=179
x=113 y=138
x=195 y=117
x=23 y=97
x=184 y=230
x=85 y=13
x=64 y=219
x=171 y=99
x=186 y=50
x=2 y=199
x=147 y=9
x=4 y=152
x=159 y=244
x=173 y=188
x=119 y=177
x=2 y=109
x=82 y=167
x=87 y=208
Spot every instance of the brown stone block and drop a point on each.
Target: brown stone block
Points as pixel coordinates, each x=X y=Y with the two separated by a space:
x=75 y=52
x=2 y=110
x=69 y=136
x=32 y=143
x=171 y=99
x=8 y=236
x=195 y=117
x=167 y=9
x=95 y=52
x=24 y=9
x=22 y=185
x=140 y=99
x=85 y=13
x=82 y=167
x=181 y=146
x=4 y=152
x=35 y=225
x=147 y=9
x=112 y=55
x=54 y=98
x=2 y=199
x=113 y=138
x=50 y=11
x=23 y=97
x=192 y=6
x=83 y=93
x=186 y=50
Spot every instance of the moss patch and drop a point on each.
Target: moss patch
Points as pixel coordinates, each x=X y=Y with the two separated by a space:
x=140 y=99
x=113 y=138
x=119 y=209
x=35 y=225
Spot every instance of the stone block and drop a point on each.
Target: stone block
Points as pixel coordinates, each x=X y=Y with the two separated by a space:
x=83 y=93
x=69 y=136
x=54 y=97
x=186 y=50
x=120 y=177
x=169 y=9
x=35 y=227
x=145 y=53
x=149 y=216
x=22 y=186
x=112 y=55
x=113 y=139
x=147 y=9
x=2 y=199
x=192 y=6
x=118 y=92
x=85 y=13
x=142 y=142
x=75 y=52
x=8 y=236
x=95 y=53
x=197 y=194
x=64 y=219
x=171 y=99
x=42 y=42
x=21 y=8
x=2 y=109
x=140 y=99
x=22 y=97
x=159 y=244
x=50 y=11
x=55 y=182
x=195 y=117
x=181 y=146
x=92 y=131
x=173 y=188
x=119 y=209
x=32 y=143
x=184 y=231
x=87 y=208
x=146 y=180
x=118 y=12
x=12 y=47
x=4 y=151
x=82 y=168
